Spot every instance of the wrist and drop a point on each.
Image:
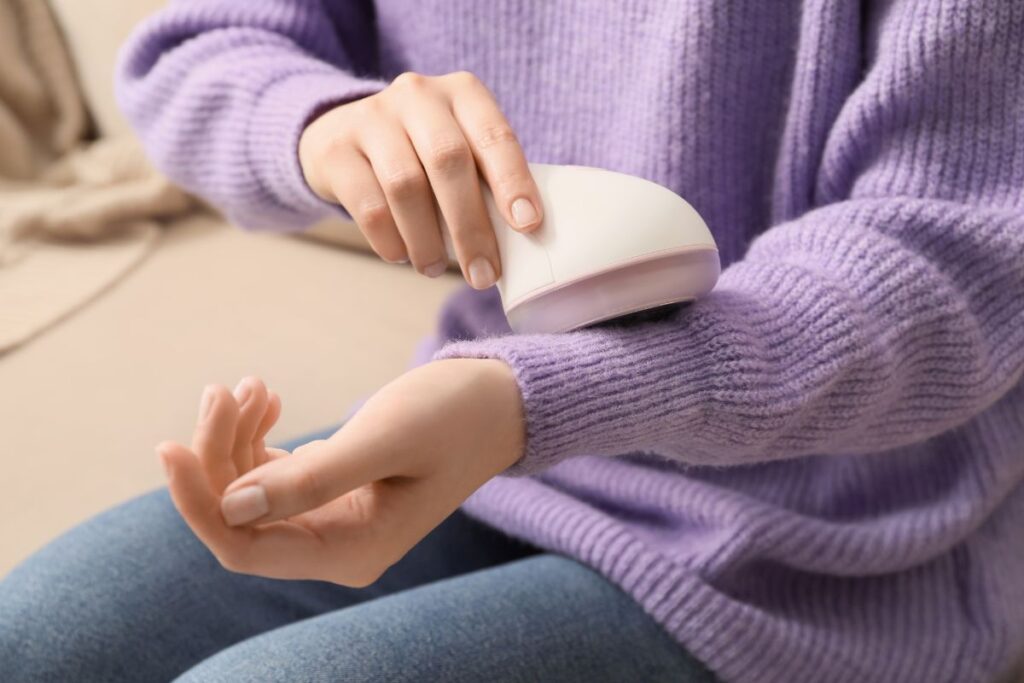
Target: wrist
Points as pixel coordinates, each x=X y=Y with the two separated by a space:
x=506 y=421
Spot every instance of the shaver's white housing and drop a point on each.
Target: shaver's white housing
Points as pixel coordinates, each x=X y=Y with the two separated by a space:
x=610 y=244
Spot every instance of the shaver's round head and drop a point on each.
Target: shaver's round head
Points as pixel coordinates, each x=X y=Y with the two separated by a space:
x=610 y=244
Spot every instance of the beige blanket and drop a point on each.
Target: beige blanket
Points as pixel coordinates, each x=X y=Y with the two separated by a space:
x=75 y=214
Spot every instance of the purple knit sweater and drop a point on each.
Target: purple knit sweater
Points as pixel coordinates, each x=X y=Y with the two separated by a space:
x=816 y=473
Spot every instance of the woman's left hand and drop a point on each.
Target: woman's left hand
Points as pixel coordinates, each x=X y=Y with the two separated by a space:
x=346 y=508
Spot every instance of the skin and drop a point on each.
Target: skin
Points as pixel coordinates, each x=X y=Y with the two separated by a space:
x=421 y=144
x=346 y=508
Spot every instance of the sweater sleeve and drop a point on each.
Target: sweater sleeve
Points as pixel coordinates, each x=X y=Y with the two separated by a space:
x=887 y=314
x=220 y=91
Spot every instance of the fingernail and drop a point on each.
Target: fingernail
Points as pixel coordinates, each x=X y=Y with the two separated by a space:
x=243 y=391
x=435 y=269
x=523 y=212
x=481 y=274
x=205 y=403
x=244 y=505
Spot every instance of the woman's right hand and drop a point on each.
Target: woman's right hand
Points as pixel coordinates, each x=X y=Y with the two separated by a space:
x=387 y=158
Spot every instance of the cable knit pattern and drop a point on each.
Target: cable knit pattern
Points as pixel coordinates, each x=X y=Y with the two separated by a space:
x=815 y=473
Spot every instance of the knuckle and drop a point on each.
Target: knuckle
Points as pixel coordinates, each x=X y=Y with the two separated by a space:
x=409 y=79
x=374 y=216
x=496 y=134
x=509 y=181
x=448 y=155
x=336 y=147
x=402 y=182
x=463 y=77
x=309 y=486
x=371 y=107
x=361 y=507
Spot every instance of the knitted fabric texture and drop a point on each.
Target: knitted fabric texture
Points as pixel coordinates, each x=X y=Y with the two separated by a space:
x=815 y=472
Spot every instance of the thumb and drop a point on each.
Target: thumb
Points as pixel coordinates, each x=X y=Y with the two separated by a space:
x=289 y=486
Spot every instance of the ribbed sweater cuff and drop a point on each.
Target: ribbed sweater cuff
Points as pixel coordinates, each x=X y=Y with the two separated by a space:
x=281 y=113
x=584 y=392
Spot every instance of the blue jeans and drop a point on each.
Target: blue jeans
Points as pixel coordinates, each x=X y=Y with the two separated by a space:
x=132 y=595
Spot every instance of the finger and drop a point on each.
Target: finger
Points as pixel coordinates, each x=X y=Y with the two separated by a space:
x=270 y=417
x=497 y=152
x=355 y=185
x=273 y=412
x=309 y=479
x=214 y=436
x=197 y=502
x=448 y=161
x=407 y=190
x=277 y=551
x=251 y=396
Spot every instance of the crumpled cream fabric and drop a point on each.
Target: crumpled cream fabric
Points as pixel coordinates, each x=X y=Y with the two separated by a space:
x=75 y=215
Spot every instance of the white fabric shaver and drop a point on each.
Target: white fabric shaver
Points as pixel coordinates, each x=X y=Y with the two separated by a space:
x=610 y=244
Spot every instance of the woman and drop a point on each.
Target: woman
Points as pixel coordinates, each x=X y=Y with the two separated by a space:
x=813 y=474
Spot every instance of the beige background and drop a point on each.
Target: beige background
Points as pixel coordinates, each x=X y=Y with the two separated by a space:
x=82 y=406
x=94 y=30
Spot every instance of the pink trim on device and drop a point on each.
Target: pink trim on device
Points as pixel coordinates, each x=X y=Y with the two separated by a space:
x=675 y=277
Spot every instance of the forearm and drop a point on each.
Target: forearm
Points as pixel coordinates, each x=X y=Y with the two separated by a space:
x=220 y=91
x=859 y=327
